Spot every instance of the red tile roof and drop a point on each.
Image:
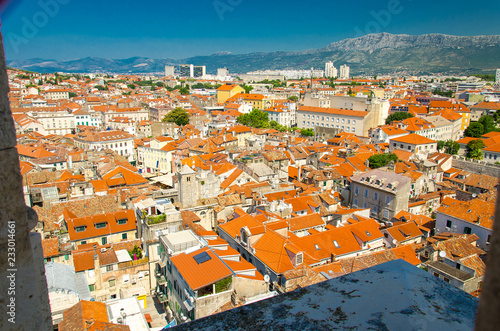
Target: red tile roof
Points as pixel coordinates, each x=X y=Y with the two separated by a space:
x=111 y=225
x=199 y=275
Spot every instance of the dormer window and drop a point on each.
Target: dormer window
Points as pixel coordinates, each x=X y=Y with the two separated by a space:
x=100 y=225
x=80 y=228
x=299 y=258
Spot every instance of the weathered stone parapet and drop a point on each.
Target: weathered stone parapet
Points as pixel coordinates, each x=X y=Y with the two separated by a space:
x=24 y=301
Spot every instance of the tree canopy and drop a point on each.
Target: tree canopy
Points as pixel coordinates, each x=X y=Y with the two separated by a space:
x=448 y=94
x=100 y=87
x=474 y=149
x=178 y=116
x=449 y=146
x=398 y=116
x=247 y=88
x=381 y=160
x=184 y=90
x=474 y=130
x=293 y=98
x=256 y=119
x=307 y=132
x=488 y=124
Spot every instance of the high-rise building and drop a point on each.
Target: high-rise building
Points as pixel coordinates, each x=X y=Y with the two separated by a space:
x=192 y=71
x=169 y=71
x=222 y=72
x=344 y=72
x=199 y=71
x=185 y=70
x=330 y=70
x=497 y=77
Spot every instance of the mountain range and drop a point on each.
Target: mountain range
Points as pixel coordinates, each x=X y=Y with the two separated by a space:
x=379 y=53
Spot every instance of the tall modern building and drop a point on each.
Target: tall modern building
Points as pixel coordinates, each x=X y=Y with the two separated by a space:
x=344 y=72
x=169 y=71
x=222 y=72
x=497 y=77
x=192 y=71
x=199 y=71
x=330 y=70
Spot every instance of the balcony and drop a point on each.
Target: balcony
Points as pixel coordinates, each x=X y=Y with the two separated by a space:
x=160 y=279
x=161 y=297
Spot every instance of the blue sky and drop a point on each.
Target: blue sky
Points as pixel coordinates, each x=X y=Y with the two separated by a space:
x=69 y=29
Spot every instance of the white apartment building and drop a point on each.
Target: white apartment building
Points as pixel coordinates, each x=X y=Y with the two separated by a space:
x=57 y=94
x=55 y=120
x=353 y=121
x=413 y=143
x=158 y=156
x=136 y=114
x=119 y=142
x=222 y=72
x=344 y=71
x=283 y=114
x=83 y=117
x=169 y=71
x=330 y=70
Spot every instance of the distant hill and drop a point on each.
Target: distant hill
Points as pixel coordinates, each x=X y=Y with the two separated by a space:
x=371 y=54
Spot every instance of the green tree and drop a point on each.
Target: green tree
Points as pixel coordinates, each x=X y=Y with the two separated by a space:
x=131 y=86
x=474 y=149
x=447 y=94
x=256 y=119
x=72 y=94
x=488 y=124
x=440 y=144
x=293 y=98
x=449 y=146
x=135 y=253
x=247 y=88
x=184 y=90
x=178 y=116
x=381 y=160
x=101 y=88
x=397 y=116
x=474 y=130
x=160 y=84
x=307 y=132
x=496 y=116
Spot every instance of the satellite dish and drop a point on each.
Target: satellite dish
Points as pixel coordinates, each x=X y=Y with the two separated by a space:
x=394 y=241
x=267 y=278
x=442 y=253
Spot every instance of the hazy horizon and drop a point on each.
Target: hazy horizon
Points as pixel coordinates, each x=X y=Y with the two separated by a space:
x=65 y=29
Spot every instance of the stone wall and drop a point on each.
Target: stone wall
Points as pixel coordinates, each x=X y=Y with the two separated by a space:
x=206 y=306
x=477 y=167
x=24 y=299
x=248 y=288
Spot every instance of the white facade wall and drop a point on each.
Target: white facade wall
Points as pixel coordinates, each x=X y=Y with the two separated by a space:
x=458 y=226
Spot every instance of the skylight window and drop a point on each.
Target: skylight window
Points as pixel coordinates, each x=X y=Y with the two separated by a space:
x=336 y=244
x=202 y=257
x=316 y=247
x=368 y=234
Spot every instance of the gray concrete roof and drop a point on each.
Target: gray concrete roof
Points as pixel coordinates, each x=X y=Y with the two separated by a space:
x=61 y=277
x=391 y=296
x=450 y=271
x=385 y=178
